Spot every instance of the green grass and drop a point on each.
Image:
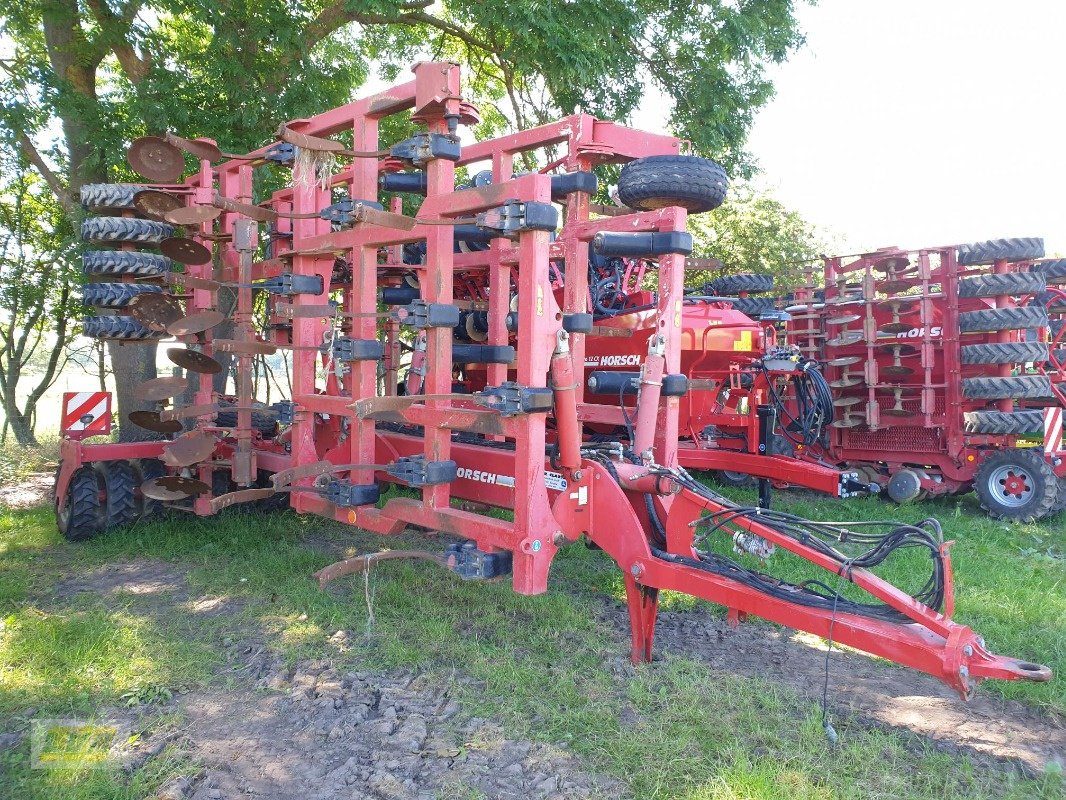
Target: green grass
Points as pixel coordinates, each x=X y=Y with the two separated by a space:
x=538 y=664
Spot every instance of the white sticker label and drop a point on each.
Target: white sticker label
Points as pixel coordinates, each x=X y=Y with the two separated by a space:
x=555 y=481
x=484 y=476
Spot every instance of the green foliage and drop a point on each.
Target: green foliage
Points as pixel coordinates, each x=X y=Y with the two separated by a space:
x=754 y=232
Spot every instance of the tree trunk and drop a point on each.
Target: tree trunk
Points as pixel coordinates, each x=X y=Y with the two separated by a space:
x=20 y=426
x=132 y=364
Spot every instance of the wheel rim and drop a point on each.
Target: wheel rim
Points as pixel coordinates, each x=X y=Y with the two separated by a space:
x=1012 y=486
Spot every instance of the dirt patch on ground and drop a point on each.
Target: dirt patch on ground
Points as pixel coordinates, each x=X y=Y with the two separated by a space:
x=32 y=491
x=986 y=728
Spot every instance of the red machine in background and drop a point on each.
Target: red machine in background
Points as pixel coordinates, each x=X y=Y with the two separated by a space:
x=943 y=372
x=334 y=258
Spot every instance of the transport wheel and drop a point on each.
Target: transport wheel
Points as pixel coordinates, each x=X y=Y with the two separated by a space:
x=1012 y=283
x=696 y=184
x=266 y=424
x=739 y=480
x=104 y=196
x=1016 y=387
x=147 y=469
x=1004 y=353
x=120 y=499
x=1053 y=270
x=114 y=295
x=1060 y=498
x=124 y=262
x=1003 y=319
x=1054 y=303
x=84 y=515
x=744 y=282
x=125 y=329
x=996 y=249
x=1004 y=423
x=754 y=306
x=122 y=229
x=1017 y=484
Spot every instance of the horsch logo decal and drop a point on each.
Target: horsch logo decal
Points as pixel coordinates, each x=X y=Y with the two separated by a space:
x=612 y=361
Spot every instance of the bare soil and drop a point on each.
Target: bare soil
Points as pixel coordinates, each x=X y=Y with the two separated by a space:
x=33 y=491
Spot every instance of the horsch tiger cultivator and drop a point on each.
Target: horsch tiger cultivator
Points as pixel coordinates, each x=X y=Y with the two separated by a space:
x=350 y=287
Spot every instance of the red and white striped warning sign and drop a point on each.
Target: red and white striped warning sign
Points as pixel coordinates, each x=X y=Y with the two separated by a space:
x=1052 y=430
x=86 y=412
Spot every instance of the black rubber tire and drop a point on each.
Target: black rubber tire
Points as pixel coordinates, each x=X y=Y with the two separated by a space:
x=266 y=424
x=1053 y=302
x=754 y=306
x=114 y=295
x=272 y=504
x=1060 y=498
x=124 y=329
x=1016 y=387
x=738 y=480
x=1005 y=353
x=996 y=249
x=696 y=184
x=1004 y=423
x=123 y=229
x=83 y=517
x=1002 y=319
x=1038 y=473
x=109 y=195
x=1009 y=283
x=120 y=499
x=744 y=282
x=1053 y=270
x=124 y=262
x=1055 y=327
x=147 y=469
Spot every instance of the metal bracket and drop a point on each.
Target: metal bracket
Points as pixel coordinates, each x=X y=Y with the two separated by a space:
x=416 y=471
x=510 y=399
x=420 y=314
x=345 y=494
x=343 y=212
x=280 y=153
x=289 y=284
x=286 y=411
x=348 y=349
x=514 y=217
x=423 y=147
x=470 y=563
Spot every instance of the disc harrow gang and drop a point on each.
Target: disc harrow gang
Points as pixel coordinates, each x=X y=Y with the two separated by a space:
x=465 y=353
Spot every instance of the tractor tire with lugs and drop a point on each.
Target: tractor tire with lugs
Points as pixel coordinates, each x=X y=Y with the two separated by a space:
x=147 y=469
x=1017 y=484
x=978 y=253
x=124 y=262
x=122 y=229
x=119 y=196
x=1053 y=270
x=1004 y=423
x=1016 y=387
x=1003 y=353
x=125 y=329
x=114 y=295
x=82 y=518
x=754 y=306
x=744 y=282
x=1003 y=319
x=1008 y=283
x=120 y=499
x=696 y=184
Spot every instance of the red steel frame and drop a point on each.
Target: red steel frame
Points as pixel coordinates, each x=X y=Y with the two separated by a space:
x=606 y=508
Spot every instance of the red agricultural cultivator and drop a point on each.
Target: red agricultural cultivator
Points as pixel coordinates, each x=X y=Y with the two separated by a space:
x=943 y=373
x=494 y=409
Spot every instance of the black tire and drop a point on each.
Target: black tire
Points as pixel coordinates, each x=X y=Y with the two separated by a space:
x=1060 y=498
x=1002 y=319
x=1024 y=470
x=266 y=424
x=148 y=469
x=745 y=282
x=997 y=249
x=1053 y=302
x=274 y=503
x=120 y=499
x=124 y=262
x=1005 y=353
x=1016 y=387
x=738 y=480
x=109 y=195
x=696 y=184
x=122 y=229
x=83 y=516
x=1055 y=326
x=114 y=295
x=1053 y=270
x=754 y=306
x=125 y=329
x=1009 y=283
x=1004 y=423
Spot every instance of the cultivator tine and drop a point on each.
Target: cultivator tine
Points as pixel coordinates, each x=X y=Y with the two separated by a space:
x=248 y=348
x=192 y=448
x=192 y=282
x=155 y=310
x=158 y=389
x=156 y=159
x=224 y=501
x=155 y=204
x=188 y=412
x=194 y=361
x=387 y=219
x=318 y=468
x=152 y=421
x=200 y=149
x=196 y=323
x=258 y=213
x=318 y=144
x=185 y=251
x=360 y=564
x=291 y=311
